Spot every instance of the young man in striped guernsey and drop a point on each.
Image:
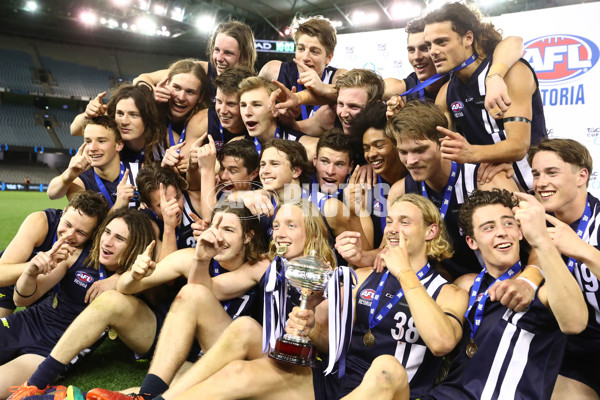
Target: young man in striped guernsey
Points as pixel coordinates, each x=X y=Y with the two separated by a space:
x=561 y=170
x=456 y=38
x=505 y=354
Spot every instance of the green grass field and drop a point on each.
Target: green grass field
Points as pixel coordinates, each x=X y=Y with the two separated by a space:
x=111 y=365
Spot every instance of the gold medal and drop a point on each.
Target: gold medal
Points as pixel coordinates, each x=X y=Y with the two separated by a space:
x=281 y=250
x=112 y=334
x=471 y=348
x=369 y=339
x=55 y=302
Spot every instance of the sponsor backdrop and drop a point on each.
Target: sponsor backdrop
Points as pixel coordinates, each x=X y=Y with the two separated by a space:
x=564 y=55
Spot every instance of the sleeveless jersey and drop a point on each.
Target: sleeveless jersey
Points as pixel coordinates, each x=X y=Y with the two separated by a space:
x=89 y=183
x=282 y=133
x=211 y=75
x=586 y=345
x=464 y=259
x=395 y=334
x=132 y=157
x=411 y=81
x=466 y=103
x=185 y=233
x=378 y=202
x=288 y=75
x=37 y=328
x=516 y=358
x=219 y=134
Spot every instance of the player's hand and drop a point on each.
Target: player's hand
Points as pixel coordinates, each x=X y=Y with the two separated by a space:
x=162 y=91
x=125 y=191
x=395 y=253
x=198 y=226
x=531 y=216
x=515 y=294
x=300 y=322
x=309 y=78
x=100 y=287
x=258 y=202
x=95 y=107
x=487 y=171
x=564 y=238
x=349 y=246
x=173 y=157
x=144 y=265
x=497 y=101
x=207 y=155
x=79 y=163
x=355 y=193
x=171 y=213
x=283 y=98
x=211 y=240
x=394 y=104
x=455 y=147
x=45 y=261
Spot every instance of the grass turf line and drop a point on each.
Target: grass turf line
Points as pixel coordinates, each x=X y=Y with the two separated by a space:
x=111 y=365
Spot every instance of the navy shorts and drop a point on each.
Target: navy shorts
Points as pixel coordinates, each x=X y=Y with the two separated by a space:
x=6 y=297
x=578 y=368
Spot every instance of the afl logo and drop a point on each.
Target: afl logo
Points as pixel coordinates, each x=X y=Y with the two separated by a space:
x=457 y=106
x=367 y=294
x=83 y=277
x=556 y=58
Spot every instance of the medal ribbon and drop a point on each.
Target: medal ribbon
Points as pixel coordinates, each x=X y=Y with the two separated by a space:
x=581 y=228
x=381 y=197
x=447 y=191
x=103 y=189
x=172 y=138
x=341 y=315
x=434 y=78
x=375 y=319
x=257 y=144
x=303 y=106
x=484 y=297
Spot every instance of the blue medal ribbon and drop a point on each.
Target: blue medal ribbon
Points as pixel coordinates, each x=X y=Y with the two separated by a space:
x=447 y=191
x=257 y=144
x=581 y=228
x=474 y=296
x=102 y=187
x=375 y=319
x=382 y=196
x=303 y=106
x=434 y=78
x=172 y=138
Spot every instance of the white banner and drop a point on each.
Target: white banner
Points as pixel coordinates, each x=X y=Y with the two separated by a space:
x=564 y=56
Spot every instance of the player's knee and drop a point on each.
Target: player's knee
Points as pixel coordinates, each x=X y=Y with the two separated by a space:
x=109 y=302
x=241 y=333
x=389 y=371
x=192 y=294
x=238 y=373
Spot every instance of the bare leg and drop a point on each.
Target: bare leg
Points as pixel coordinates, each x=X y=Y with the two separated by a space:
x=386 y=379
x=242 y=340
x=569 y=388
x=17 y=371
x=129 y=316
x=262 y=379
x=195 y=311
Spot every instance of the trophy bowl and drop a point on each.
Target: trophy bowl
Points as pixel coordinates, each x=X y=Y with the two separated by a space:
x=308 y=274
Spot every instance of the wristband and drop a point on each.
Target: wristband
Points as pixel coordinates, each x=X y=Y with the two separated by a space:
x=313 y=330
x=493 y=75
x=19 y=293
x=538 y=268
x=499 y=69
x=533 y=285
x=517 y=119
x=302 y=97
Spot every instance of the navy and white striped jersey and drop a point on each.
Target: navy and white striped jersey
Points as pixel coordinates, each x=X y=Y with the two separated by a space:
x=185 y=233
x=89 y=182
x=465 y=102
x=518 y=355
x=219 y=134
x=395 y=334
x=586 y=345
x=464 y=259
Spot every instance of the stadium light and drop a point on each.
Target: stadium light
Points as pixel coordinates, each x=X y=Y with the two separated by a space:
x=360 y=17
x=31 y=6
x=405 y=10
x=177 y=14
x=112 y=23
x=146 y=26
x=205 y=23
x=336 y=24
x=143 y=4
x=88 y=18
x=159 y=9
x=121 y=3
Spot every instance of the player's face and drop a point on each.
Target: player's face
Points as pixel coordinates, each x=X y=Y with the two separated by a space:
x=350 y=102
x=233 y=175
x=418 y=56
x=446 y=48
x=289 y=230
x=422 y=158
x=186 y=90
x=112 y=243
x=254 y=107
x=75 y=227
x=102 y=147
x=312 y=53
x=233 y=237
x=171 y=192
x=496 y=235
x=129 y=121
x=228 y=111
x=406 y=218
x=276 y=170
x=226 y=53
x=332 y=168
x=555 y=182
x=379 y=151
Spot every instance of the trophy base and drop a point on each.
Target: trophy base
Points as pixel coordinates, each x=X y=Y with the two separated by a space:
x=292 y=352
